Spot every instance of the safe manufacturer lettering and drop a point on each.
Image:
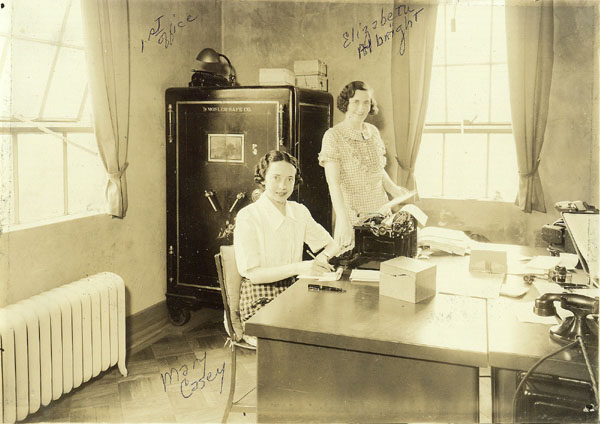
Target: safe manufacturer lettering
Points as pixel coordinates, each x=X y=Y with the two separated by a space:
x=226 y=109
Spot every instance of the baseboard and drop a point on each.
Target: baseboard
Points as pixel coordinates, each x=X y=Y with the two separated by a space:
x=151 y=324
x=146 y=326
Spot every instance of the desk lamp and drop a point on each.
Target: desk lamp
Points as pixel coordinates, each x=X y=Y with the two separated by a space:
x=215 y=69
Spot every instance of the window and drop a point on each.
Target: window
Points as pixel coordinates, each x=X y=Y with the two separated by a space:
x=48 y=156
x=467 y=149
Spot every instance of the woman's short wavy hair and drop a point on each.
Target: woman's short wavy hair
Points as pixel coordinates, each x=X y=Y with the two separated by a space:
x=349 y=91
x=260 y=171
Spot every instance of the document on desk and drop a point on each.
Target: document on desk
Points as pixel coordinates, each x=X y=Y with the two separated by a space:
x=368 y=275
x=328 y=276
x=472 y=284
x=524 y=313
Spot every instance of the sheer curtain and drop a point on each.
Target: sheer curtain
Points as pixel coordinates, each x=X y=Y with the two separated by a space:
x=411 y=74
x=529 y=45
x=106 y=27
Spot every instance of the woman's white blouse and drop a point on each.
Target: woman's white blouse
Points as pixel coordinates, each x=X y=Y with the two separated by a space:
x=264 y=237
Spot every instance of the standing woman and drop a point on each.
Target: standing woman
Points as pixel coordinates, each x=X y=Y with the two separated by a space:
x=353 y=155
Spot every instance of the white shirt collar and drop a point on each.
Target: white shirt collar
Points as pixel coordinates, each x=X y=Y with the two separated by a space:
x=274 y=216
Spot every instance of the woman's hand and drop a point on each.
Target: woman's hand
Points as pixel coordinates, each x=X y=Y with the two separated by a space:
x=314 y=267
x=344 y=234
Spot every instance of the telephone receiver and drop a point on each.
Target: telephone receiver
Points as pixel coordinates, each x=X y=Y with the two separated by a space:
x=579 y=324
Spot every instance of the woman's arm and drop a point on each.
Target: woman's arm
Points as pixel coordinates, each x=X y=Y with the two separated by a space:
x=344 y=231
x=263 y=275
x=391 y=187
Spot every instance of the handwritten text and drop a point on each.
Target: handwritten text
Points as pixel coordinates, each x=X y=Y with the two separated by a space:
x=376 y=32
x=190 y=381
x=163 y=30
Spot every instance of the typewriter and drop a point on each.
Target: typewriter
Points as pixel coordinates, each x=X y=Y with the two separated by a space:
x=381 y=237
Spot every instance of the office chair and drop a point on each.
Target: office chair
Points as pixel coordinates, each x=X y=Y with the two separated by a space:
x=230 y=281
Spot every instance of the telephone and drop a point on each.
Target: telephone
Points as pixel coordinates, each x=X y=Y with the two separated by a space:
x=577 y=325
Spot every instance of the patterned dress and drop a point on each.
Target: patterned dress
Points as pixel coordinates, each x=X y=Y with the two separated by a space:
x=361 y=155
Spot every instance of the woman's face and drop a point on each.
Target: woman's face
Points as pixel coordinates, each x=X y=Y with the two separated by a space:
x=279 y=181
x=359 y=105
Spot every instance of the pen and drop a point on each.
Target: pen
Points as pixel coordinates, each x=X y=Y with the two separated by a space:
x=315 y=258
x=319 y=287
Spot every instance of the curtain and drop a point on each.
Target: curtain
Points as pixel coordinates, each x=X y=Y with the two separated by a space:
x=529 y=45
x=106 y=27
x=412 y=57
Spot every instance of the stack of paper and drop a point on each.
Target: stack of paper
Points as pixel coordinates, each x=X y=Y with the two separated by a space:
x=364 y=275
x=445 y=239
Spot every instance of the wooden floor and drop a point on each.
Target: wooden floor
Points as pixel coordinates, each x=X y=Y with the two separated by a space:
x=150 y=394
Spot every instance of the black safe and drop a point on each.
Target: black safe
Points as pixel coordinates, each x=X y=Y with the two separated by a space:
x=214 y=138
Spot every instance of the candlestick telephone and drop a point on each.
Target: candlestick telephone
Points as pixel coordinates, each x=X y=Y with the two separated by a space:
x=579 y=324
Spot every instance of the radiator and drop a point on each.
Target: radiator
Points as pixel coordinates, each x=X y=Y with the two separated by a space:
x=55 y=341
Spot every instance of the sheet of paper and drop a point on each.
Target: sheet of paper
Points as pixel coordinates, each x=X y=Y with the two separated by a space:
x=328 y=276
x=514 y=286
x=524 y=313
x=569 y=260
x=473 y=284
x=364 y=275
x=543 y=262
x=396 y=201
x=584 y=229
x=419 y=215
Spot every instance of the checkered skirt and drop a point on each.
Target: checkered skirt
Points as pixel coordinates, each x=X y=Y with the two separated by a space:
x=255 y=296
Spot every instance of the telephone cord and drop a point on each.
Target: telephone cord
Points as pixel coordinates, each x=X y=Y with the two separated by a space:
x=524 y=379
x=589 y=368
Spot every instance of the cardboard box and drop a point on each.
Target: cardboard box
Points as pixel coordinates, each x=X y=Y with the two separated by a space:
x=488 y=260
x=310 y=67
x=276 y=76
x=314 y=82
x=408 y=279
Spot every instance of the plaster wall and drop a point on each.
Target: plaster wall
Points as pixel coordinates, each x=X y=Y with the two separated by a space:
x=37 y=259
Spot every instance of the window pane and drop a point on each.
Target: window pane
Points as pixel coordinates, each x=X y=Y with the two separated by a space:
x=67 y=85
x=503 y=177
x=470 y=42
x=31 y=67
x=498 y=34
x=5 y=17
x=87 y=178
x=442 y=22
x=436 y=106
x=40 y=171
x=428 y=168
x=468 y=93
x=500 y=107
x=6 y=180
x=74 y=28
x=37 y=19
x=465 y=166
x=5 y=80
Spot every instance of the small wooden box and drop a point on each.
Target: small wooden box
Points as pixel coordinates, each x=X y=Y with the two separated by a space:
x=276 y=76
x=314 y=82
x=310 y=67
x=408 y=279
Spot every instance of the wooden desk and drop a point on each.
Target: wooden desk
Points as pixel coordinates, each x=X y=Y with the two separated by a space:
x=356 y=356
x=515 y=346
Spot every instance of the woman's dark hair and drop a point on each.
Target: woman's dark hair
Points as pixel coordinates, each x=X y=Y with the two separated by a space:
x=275 y=156
x=349 y=91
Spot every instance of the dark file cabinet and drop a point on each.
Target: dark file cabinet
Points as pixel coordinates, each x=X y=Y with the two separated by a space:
x=214 y=138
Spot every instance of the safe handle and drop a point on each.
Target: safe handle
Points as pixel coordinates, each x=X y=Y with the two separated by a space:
x=209 y=194
x=239 y=197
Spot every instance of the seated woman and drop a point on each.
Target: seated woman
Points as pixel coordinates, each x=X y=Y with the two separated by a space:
x=269 y=236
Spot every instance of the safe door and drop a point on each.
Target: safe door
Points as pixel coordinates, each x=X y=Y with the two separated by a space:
x=218 y=144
